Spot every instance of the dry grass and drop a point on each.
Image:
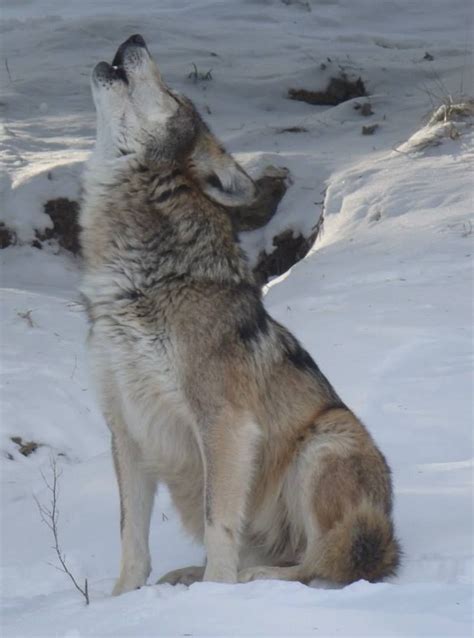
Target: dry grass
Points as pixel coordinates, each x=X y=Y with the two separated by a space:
x=452 y=110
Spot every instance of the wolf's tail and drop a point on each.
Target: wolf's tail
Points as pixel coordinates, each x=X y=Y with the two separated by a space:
x=361 y=545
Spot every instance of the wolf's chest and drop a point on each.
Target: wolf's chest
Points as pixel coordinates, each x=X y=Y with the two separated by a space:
x=148 y=390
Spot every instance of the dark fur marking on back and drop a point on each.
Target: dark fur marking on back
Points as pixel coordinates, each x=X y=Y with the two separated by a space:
x=301 y=359
x=294 y=352
x=254 y=326
x=255 y=320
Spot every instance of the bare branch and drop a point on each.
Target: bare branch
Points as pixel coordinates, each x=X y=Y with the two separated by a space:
x=8 y=70
x=27 y=317
x=50 y=516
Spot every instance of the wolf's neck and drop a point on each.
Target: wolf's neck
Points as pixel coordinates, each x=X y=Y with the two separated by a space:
x=158 y=225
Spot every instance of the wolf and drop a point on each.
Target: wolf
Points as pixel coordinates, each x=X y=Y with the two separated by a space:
x=202 y=390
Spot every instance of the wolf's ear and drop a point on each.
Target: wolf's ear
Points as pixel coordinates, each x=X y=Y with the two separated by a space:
x=219 y=175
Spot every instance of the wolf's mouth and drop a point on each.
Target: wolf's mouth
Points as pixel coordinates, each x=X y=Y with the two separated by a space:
x=105 y=72
x=118 y=73
x=117 y=70
x=134 y=41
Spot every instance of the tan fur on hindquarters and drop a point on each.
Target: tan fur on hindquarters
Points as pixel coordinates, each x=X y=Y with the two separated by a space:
x=201 y=388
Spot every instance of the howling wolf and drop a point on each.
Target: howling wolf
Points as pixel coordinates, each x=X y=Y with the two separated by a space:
x=200 y=387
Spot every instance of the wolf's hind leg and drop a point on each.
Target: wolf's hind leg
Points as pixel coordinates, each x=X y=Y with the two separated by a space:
x=137 y=490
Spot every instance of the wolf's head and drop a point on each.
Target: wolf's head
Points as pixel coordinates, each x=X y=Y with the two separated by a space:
x=137 y=114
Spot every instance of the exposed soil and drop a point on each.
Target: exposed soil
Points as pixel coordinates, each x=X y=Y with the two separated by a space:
x=64 y=214
x=7 y=236
x=25 y=447
x=289 y=249
x=369 y=130
x=271 y=187
x=339 y=89
x=293 y=129
x=364 y=109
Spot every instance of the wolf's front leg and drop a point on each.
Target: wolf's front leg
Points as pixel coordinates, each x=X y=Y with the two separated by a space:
x=230 y=446
x=137 y=490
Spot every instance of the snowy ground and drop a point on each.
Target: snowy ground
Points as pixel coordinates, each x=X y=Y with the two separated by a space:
x=383 y=302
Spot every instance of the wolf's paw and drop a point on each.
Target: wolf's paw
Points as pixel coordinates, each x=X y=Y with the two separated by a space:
x=183 y=576
x=124 y=585
x=132 y=576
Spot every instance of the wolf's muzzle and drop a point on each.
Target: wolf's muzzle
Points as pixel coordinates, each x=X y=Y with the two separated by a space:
x=134 y=41
x=127 y=53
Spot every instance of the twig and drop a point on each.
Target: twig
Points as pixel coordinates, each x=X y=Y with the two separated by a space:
x=8 y=70
x=461 y=85
x=27 y=317
x=197 y=75
x=49 y=516
x=467 y=229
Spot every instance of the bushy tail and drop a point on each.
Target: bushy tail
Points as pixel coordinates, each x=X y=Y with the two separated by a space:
x=360 y=546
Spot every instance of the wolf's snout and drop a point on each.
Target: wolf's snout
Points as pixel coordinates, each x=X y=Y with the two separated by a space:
x=130 y=56
x=133 y=42
x=136 y=39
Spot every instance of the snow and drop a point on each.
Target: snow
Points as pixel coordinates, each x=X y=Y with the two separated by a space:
x=383 y=301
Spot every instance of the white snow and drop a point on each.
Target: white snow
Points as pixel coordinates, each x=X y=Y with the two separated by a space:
x=383 y=302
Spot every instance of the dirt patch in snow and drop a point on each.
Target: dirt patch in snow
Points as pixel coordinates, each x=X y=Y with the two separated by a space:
x=64 y=214
x=25 y=447
x=339 y=89
x=289 y=249
x=271 y=187
x=7 y=236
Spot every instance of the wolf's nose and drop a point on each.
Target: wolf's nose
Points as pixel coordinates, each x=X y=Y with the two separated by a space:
x=137 y=40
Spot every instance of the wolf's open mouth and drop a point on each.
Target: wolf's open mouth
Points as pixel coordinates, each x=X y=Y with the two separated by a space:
x=118 y=57
x=118 y=61
x=116 y=70
x=105 y=71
